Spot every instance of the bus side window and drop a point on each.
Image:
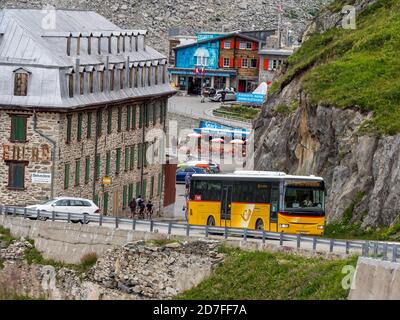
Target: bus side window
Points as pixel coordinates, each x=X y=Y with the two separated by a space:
x=274 y=203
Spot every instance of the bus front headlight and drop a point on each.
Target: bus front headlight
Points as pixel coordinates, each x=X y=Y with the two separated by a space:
x=320 y=227
x=284 y=225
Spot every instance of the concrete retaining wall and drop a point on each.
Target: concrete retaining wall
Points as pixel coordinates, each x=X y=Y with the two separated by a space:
x=375 y=279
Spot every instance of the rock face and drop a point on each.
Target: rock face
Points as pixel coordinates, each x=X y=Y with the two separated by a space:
x=136 y=271
x=159 y=16
x=360 y=170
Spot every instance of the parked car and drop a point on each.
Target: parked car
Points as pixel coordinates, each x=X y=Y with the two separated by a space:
x=66 y=205
x=183 y=171
x=230 y=96
x=213 y=167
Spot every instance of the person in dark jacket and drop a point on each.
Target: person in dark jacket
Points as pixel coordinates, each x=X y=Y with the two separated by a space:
x=132 y=206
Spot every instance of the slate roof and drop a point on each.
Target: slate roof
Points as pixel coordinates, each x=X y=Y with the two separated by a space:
x=29 y=39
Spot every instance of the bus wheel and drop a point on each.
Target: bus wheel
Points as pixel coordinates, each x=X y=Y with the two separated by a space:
x=259 y=225
x=211 y=221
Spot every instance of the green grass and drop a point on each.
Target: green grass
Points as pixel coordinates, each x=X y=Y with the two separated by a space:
x=355 y=68
x=264 y=275
x=5 y=235
x=238 y=111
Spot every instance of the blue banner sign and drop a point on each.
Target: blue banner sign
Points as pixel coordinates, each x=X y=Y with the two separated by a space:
x=250 y=98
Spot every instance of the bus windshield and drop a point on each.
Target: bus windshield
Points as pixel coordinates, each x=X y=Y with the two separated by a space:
x=304 y=199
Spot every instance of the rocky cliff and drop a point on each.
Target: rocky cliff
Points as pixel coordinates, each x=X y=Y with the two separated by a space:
x=158 y=16
x=301 y=134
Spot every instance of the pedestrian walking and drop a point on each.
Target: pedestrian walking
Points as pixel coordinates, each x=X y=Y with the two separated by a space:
x=223 y=94
x=149 y=209
x=132 y=206
x=140 y=205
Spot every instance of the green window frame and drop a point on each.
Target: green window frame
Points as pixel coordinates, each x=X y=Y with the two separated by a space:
x=69 y=128
x=16 y=175
x=119 y=119
x=118 y=161
x=133 y=118
x=80 y=121
x=108 y=163
x=109 y=120
x=139 y=162
x=144 y=188
x=159 y=184
x=89 y=125
x=66 y=175
x=96 y=200
x=97 y=164
x=127 y=149
x=128 y=118
x=105 y=201
x=125 y=197
x=130 y=191
x=99 y=122
x=138 y=187
x=146 y=115
x=132 y=159
x=146 y=147
x=87 y=170
x=141 y=108
x=77 y=172
x=152 y=187
x=18 y=128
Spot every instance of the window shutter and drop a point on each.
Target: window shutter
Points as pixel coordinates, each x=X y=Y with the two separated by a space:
x=231 y=63
x=239 y=62
x=258 y=63
x=232 y=44
x=237 y=45
x=221 y=44
x=221 y=62
x=254 y=46
x=265 y=64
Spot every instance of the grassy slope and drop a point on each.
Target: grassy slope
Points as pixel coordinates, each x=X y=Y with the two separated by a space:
x=263 y=275
x=355 y=68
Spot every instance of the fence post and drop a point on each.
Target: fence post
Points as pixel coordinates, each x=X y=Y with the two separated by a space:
x=207 y=231
x=347 y=247
x=169 y=227
x=15 y=212
x=1 y=210
x=116 y=223
x=226 y=232
x=263 y=236
x=69 y=217
x=187 y=230
x=151 y=225
x=101 y=220
x=133 y=224
x=245 y=235
x=281 y=239
x=314 y=243
x=331 y=243
x=38 y=214
x=385 y=251
x=25 y=213
x=298 y=241
x=394 y=253
x=53 y=216
x=84 y=219
x=376 y=249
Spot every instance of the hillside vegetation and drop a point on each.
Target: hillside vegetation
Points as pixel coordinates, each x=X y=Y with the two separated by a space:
x=273 y=276
x=355 y=68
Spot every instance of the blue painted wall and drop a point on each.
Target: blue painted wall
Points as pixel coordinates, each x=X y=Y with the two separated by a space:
x=185 y=57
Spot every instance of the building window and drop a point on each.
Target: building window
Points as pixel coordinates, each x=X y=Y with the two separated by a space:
x=276 y=64
x=202 y=56
x=101 y=81
x=245 y=63
x=97 y=167
x=227 y=44
x=226 y=62
x=81 y=83
x=16 y=175
x=80 y=120
x=109 y=121
x=159 y=184
x=89 y=125
x=105 y=209
x=124 y=197
x=144 y=188
x=253 y=63
x=20 y=84
x=77 y=172
x=108 y=163
x=121 y=78
x=131 y=77
x=140 y=157
x=138 y=189
x=156 y=75
x=118 y=161
x=141 y=112
x=127 y=158
x=149 y=113
x=133 y=117
x=119 y=119
x=163 y=73
x=66 y=175
x=128 y=118
x=149 y=76
x=99 y=122
x=146 y=115
x=130 y=191
x=245 y=45
x=69 y=128
x=71 y=85
x=18 y=128
x=112 y=80
x=152 y=187
x=143 y=76
x=146 y=146
x=91 y=80
x=87 y=170
x=136 y=77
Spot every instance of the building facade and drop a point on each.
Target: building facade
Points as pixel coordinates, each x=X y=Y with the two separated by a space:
x=82 y=103
x=270 y=60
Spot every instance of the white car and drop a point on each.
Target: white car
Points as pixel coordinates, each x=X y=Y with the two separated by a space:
x=66 y=205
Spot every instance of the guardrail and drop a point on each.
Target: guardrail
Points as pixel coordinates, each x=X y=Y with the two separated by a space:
x=383 y=250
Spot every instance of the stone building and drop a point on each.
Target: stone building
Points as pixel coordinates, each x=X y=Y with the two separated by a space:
x=80 y=100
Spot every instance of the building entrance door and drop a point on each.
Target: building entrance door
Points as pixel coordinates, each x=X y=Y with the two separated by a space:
x=194 y=85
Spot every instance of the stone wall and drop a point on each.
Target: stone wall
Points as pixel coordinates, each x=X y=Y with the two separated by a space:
x=160 y=16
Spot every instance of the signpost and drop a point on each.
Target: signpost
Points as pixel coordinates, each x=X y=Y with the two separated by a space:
x=107 y=181
x=41 y=178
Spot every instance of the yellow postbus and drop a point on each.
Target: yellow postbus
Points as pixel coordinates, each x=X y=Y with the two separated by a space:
x=260 y=200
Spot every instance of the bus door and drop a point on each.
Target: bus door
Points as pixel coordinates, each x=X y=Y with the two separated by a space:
x=226 y=205
x=273 y=219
